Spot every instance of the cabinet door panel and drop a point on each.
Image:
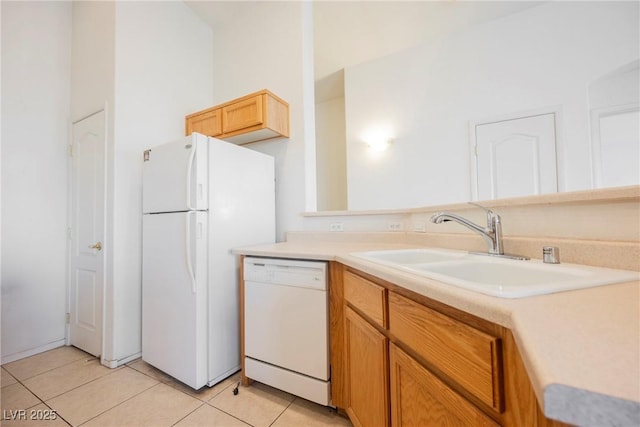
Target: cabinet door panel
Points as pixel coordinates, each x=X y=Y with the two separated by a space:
x=242 y=114
x=419 y=398
x=207 y=123
x=367 y=372
x=468 y=356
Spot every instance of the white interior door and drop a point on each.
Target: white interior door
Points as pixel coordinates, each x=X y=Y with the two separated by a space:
x=87 y=232
x=516 y=157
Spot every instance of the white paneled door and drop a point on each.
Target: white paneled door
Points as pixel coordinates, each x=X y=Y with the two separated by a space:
x=87 y=232
x=516 y=157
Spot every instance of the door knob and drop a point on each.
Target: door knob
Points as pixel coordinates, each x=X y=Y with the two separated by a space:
x=97 y=246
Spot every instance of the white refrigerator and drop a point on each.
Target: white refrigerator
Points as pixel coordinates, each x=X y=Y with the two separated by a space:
x=201 y=197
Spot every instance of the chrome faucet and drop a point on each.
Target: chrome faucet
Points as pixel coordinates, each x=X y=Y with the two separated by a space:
x=492 y=233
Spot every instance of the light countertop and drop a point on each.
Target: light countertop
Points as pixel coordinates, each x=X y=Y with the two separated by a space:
x=581 y=348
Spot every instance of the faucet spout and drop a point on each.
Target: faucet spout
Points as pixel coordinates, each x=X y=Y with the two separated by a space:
x=492 y=233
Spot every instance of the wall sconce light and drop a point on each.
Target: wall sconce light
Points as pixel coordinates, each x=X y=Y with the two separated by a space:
x=377 y=141
x=379 y=145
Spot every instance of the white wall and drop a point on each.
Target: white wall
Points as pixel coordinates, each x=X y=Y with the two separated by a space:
x=163 y=69
x=271 y=47
x=545 y=56
x=36 y=54
x=620 y=87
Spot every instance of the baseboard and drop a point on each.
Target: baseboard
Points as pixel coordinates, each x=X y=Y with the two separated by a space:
x=119 y=362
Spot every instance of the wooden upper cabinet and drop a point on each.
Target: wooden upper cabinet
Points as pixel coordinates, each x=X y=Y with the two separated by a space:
x=243 y=114
x=207 y=122
x=255 y=117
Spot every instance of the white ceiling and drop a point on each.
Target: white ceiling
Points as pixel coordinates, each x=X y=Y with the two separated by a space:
x=347 y=33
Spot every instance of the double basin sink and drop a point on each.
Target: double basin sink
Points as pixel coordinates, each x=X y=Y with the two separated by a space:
x=497 y=276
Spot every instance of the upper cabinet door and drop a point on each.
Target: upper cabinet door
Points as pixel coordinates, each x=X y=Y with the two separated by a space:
x=207 y=122
x=242 y=114
x=175 y=177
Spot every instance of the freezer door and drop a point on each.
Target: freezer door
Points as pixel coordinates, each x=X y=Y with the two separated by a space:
x=174 y=295
x=175 y=176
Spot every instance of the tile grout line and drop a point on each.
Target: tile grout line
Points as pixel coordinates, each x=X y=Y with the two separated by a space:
x=52 y=369
x=124 y=401
x=93 y=380
x=30 y=391
x=169 y=382
x=283 y=411
x=159 y=382
x=57 y=414
x=186 y=415
x=41 y=402
x=208 y=402
x=11 y=375
x=126 y=365
x=175 y=381
x=71 y=389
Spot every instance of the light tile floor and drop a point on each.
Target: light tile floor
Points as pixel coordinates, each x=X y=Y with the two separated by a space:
x=66 y=386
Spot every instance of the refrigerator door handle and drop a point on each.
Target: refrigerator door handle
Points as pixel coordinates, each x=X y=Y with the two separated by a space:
x=192 y=275
x=191 y=161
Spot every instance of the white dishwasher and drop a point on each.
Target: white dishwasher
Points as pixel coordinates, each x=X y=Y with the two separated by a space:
x=287 y=326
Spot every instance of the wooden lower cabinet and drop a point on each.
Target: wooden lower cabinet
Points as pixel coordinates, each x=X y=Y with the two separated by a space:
x=419 y=398
x=467 y=356
x=408 y=361
x=367 y=367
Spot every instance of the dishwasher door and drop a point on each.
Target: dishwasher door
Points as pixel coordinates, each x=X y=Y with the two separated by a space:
x=287 y=323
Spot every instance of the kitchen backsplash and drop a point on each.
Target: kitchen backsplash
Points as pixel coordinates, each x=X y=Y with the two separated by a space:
x=598 y=227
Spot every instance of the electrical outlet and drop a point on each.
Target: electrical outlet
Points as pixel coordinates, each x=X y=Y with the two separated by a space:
x=419 y=227
x=395 y=226
x=336 y=226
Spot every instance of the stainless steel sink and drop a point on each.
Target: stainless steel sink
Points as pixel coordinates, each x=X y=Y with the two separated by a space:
x=497 y=276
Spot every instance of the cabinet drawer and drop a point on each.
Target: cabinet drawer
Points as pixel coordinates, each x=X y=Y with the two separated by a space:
x=467 y=356
x=367 y=297
x=208 y=122
x=242 y=114
x=419 y=398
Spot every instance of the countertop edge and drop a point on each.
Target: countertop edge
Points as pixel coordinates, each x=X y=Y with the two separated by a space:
x=585 y=408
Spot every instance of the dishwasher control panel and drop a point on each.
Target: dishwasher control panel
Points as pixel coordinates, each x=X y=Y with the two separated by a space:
x=288 y=272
